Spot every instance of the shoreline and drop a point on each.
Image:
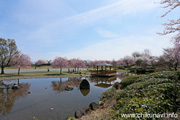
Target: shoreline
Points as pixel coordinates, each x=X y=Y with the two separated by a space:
x=42 y=76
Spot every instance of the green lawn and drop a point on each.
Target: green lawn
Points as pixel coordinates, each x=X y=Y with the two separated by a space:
x=32 y=67
x=46 y=74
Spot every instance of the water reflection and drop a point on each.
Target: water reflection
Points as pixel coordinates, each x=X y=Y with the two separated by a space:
x=123 y=74
x=85 y=92
x=59 y=86
x=103 y=82
x=9 y=96
x=84 y=87
x=42 y=99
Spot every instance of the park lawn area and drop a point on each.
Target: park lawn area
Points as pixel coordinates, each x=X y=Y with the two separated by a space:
x=41 y=74
x=32 y=67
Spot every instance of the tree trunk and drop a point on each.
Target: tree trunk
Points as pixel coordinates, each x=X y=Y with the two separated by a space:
x=18 y=81
x=169 y=66
x=2 y=69
x=60 y=71
x=18 y=71
x=175 y=66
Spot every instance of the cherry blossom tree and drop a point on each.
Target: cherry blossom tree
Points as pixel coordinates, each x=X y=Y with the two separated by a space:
x=176 y=41
x=108 y=62
x=21 y=61
x=128 y=60
x=93 y=63
x=120 y=62
x=136 y=55
x=77 y=63
x=165 y=58
x=40 y=62
x=173 y=25
x=146 y=53
x=60 y=62
x=153 y=60
x=172 y=56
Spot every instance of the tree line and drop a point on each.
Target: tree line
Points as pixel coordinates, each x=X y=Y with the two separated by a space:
x=10 y=56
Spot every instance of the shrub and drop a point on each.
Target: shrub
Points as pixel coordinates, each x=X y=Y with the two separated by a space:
x=108 y=95
x=165 y=74
x=129 y=80
x=154 y=93
x=141 y=70
x=172 y=76
x=151 y=81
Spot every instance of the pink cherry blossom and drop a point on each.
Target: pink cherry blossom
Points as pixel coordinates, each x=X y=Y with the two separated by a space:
x=60 y=62
x=21 y=61
x=77 y=63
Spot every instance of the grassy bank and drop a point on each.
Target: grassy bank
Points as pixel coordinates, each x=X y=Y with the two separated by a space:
x=12 y=76
x=156 y=93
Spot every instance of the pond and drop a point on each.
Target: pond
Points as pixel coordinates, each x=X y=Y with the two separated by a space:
x=46 y=99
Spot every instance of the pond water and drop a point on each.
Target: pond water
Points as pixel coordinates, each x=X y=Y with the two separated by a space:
x=46 y=99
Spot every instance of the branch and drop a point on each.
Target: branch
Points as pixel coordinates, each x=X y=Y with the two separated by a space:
x=170 y=3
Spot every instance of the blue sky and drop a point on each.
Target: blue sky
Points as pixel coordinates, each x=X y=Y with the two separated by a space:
x=85 y=29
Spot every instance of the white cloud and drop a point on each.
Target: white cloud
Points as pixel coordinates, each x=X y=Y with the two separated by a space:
x=117 y=10
x=123 y=7
x=118 y=48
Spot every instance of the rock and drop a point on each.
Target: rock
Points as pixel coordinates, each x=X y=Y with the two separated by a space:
x=86 y=110
x=93 y=106
x=78 y=114
x=116 y=85
x=100 y=103
x=70 y=118
x=68 y=88
x=84 y=84
x=15 y=86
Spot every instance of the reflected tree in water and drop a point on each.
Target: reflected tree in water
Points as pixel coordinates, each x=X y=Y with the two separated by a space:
x=123 y=74
x=9 y=96
x=60 y=85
